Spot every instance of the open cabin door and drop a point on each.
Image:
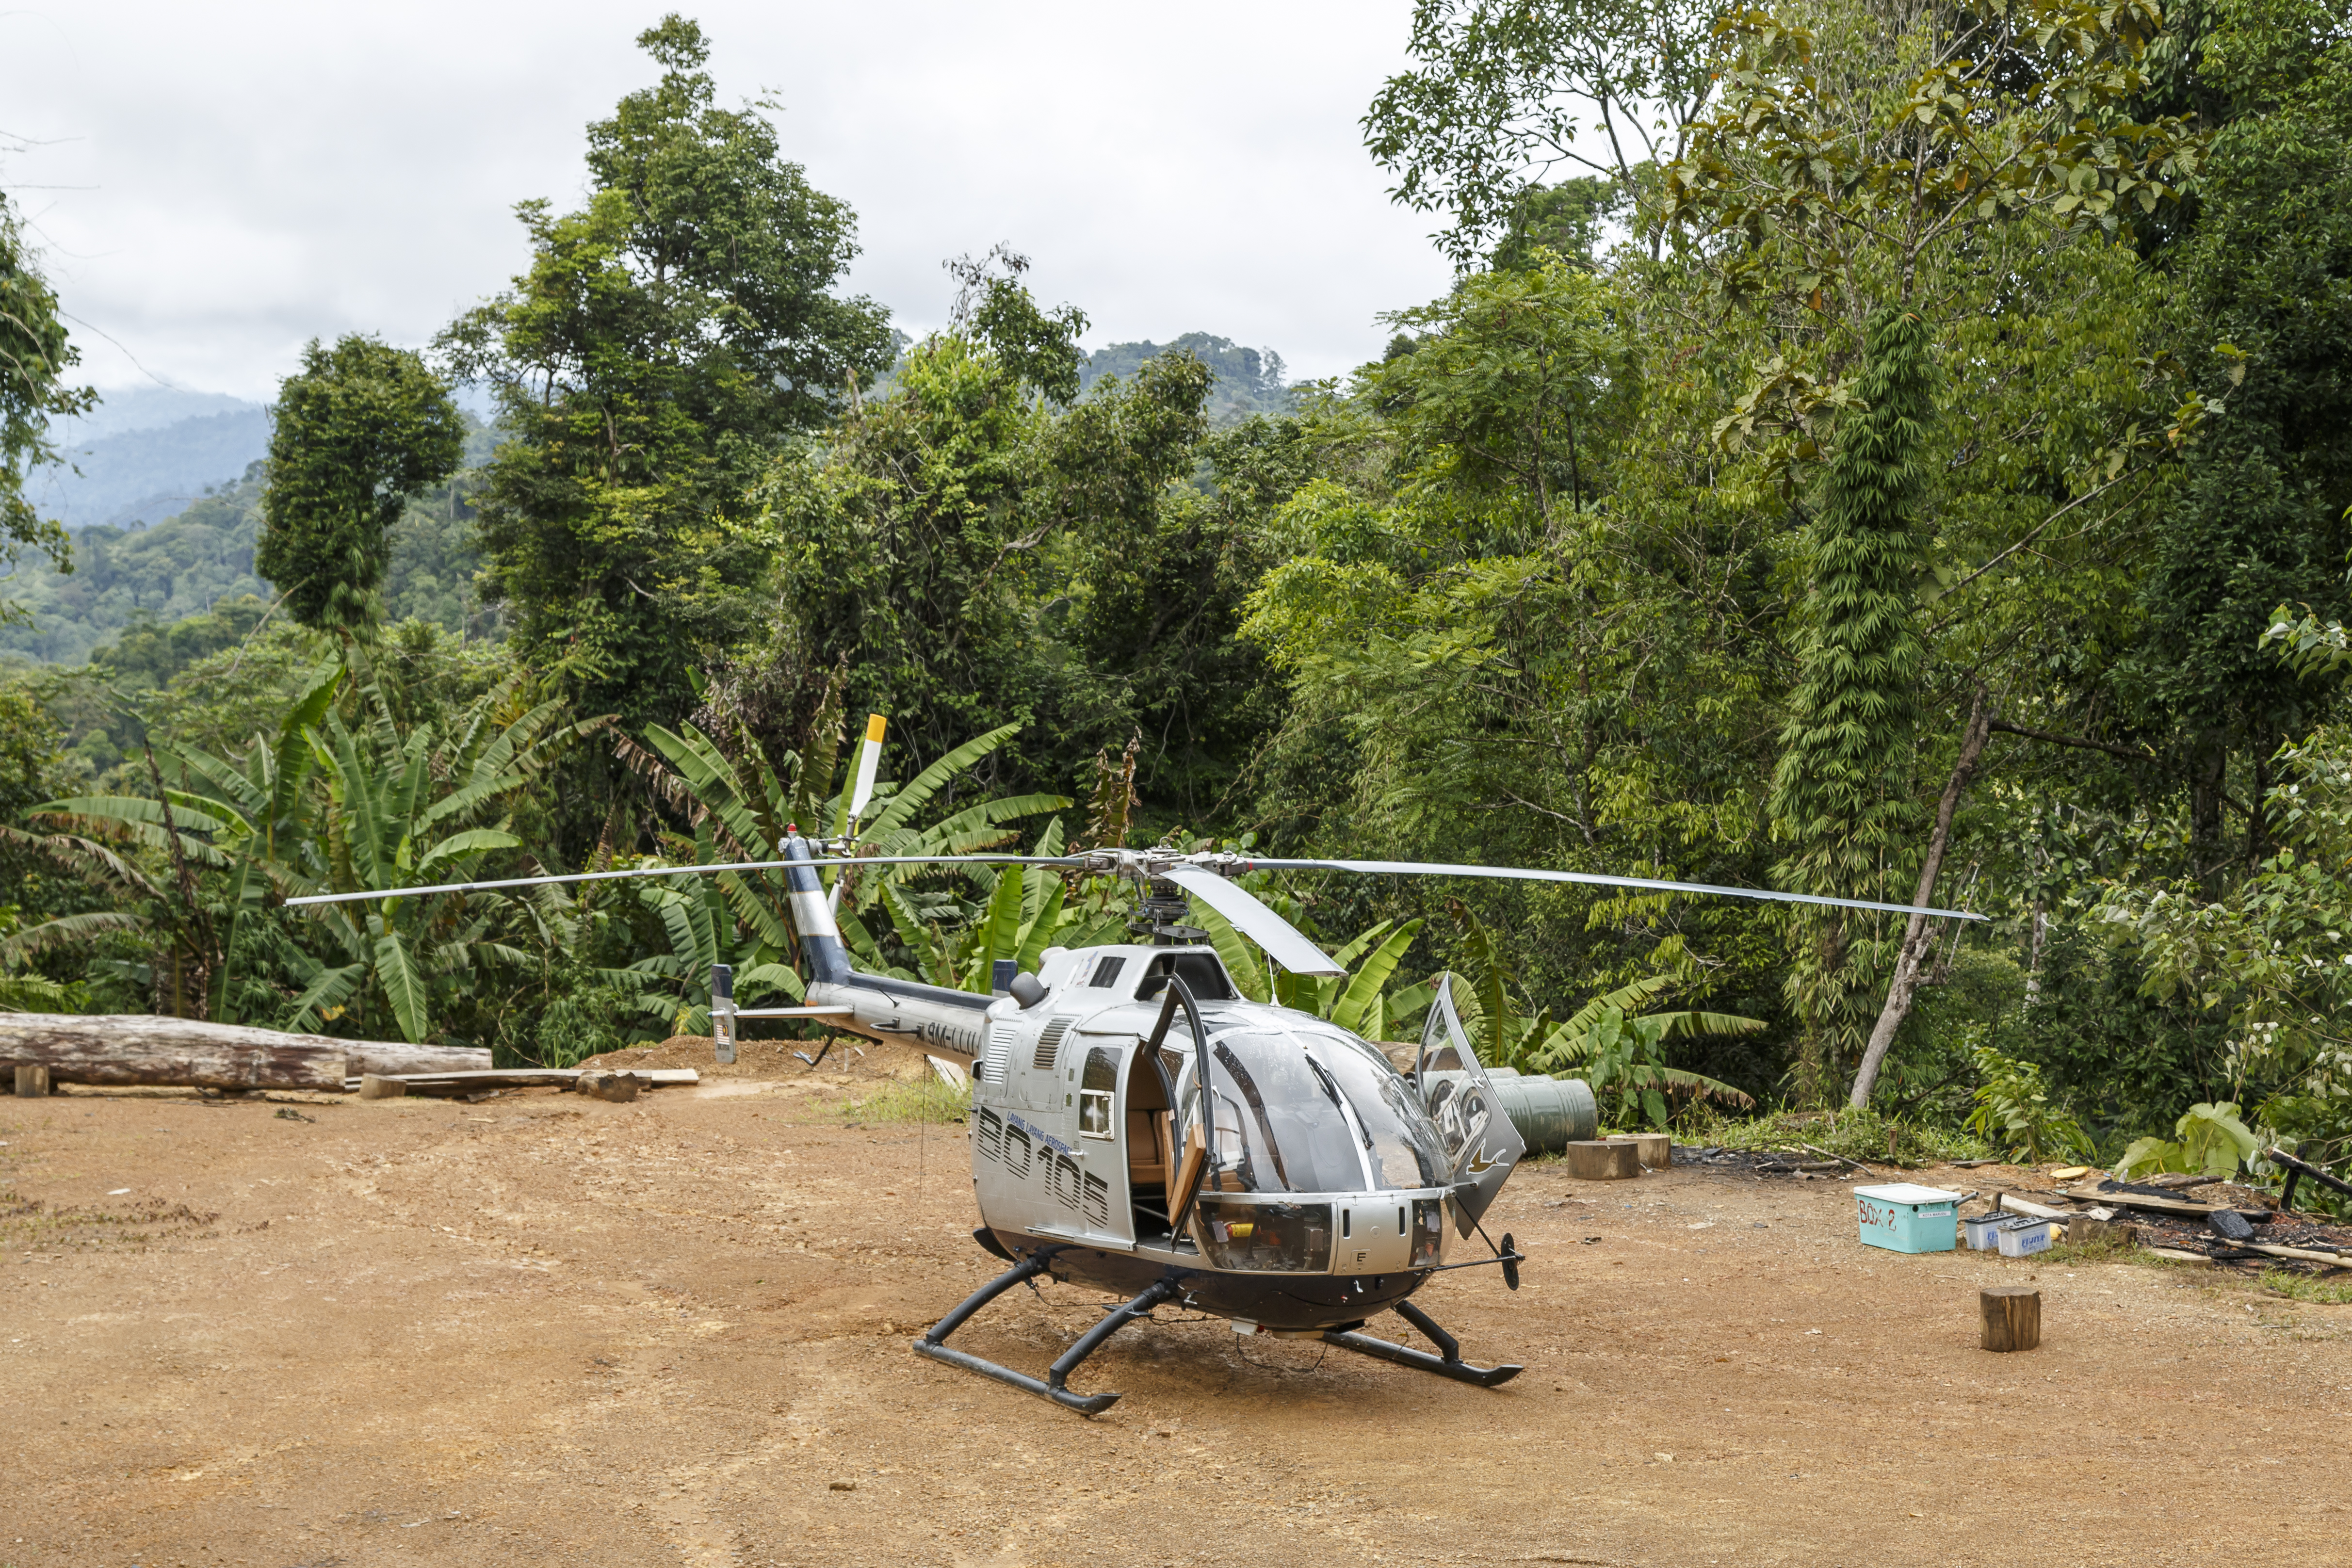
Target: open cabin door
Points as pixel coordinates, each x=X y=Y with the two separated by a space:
x=1479 y=1140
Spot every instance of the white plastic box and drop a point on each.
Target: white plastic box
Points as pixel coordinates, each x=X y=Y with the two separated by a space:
x=2024 y=1236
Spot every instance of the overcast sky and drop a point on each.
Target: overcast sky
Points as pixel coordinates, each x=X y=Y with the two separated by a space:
x=221 y=183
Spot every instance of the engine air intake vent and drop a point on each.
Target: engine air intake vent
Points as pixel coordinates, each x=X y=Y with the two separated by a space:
x=1049 y=1042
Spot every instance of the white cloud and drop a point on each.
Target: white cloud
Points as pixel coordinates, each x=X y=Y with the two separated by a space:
x=227 y=182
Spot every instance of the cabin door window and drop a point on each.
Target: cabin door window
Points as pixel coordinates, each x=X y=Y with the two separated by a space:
x=1098 y=1091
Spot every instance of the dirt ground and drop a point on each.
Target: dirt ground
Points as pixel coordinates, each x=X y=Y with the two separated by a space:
x=542 y=1330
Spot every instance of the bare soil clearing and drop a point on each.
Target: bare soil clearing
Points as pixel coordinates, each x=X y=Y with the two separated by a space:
x=543 y=1329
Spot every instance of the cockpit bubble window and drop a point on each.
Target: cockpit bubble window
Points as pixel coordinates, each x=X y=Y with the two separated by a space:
x=1403 y=1142
x=1279 y=1125
x=1096 y=1087
x=1200 y=971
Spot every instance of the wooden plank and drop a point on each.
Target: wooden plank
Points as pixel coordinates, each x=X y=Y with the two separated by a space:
x=124 y=1049
x=2161 y=1205
x=2302 y=1254
x=32 y=1080
x=2176 y=1253
x=363 y=1057
x=524 y=1077
x=2012 y=1317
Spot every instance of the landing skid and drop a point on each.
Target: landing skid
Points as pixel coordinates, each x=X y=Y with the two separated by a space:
x=934 y=1343
x=1447 y=1363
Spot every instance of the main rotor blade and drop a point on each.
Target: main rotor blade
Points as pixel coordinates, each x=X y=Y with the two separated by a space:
x=1282 y=940
x=1594 y=879
x=676 y=871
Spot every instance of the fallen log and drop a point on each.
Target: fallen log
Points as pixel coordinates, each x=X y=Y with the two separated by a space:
x=126 y=1049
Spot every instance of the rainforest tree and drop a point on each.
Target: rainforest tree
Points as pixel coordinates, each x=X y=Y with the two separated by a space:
x=361 y=429
x=671 y=337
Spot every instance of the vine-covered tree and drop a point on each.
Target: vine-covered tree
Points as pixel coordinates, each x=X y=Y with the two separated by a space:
x=361 y=429
x=1841 y=798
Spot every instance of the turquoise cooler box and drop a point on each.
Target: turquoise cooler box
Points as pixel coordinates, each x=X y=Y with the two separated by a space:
x=1903 y=1217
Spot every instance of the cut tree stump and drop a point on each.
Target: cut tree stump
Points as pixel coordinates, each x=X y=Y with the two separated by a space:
x=32 y=1082
x=133 y=1048
x=376 y=1086
x=1602 y=1161
x=2012 y=1317
x=2084 y=1229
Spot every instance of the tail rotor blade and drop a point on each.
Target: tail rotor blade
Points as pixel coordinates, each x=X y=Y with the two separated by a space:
x=869 y=756
x=1283 y=942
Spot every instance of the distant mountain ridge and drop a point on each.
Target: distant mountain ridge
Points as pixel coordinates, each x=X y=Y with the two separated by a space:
x=147 y=454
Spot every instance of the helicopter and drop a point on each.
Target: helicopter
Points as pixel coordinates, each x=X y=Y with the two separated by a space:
x=1140 y=1126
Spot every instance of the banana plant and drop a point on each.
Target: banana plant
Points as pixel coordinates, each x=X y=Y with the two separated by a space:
x=744 y=805
x=323 y=807
x=1622 y=1052
x=409 y=808
x=245 y=817
x=1362 y=1001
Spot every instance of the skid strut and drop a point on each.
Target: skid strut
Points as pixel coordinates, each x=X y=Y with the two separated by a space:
x=1448 y=1362
x=1054 y=1385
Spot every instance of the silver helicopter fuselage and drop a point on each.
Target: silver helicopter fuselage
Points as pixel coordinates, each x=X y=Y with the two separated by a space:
x=1326 y=1193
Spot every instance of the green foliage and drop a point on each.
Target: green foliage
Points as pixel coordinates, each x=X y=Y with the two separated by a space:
x=323 y=804
x=1504 y=95
x=35 y=357
x=669 y=338
x=1850 y=1134
x=2275 y=952
x=1622 y=1054
x=1364 y=999
x=2304 y=1288
x=144 y=585
x=1840 y=795
x=2210 y=1138
x=927 y=1098
x=2015 y=110
x=926 y=542
x=1244 y=383
x=361 y=429
x=742 y=803
x=2015 y=1111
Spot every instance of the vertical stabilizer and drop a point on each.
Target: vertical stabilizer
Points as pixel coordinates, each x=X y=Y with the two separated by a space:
x=821 y=946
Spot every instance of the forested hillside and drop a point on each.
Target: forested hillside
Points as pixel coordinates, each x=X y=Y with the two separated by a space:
x=1907 y=460
x=149 y=473
x=201 y=556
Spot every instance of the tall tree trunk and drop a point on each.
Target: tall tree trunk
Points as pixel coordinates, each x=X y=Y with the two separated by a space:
x=1917 y=937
